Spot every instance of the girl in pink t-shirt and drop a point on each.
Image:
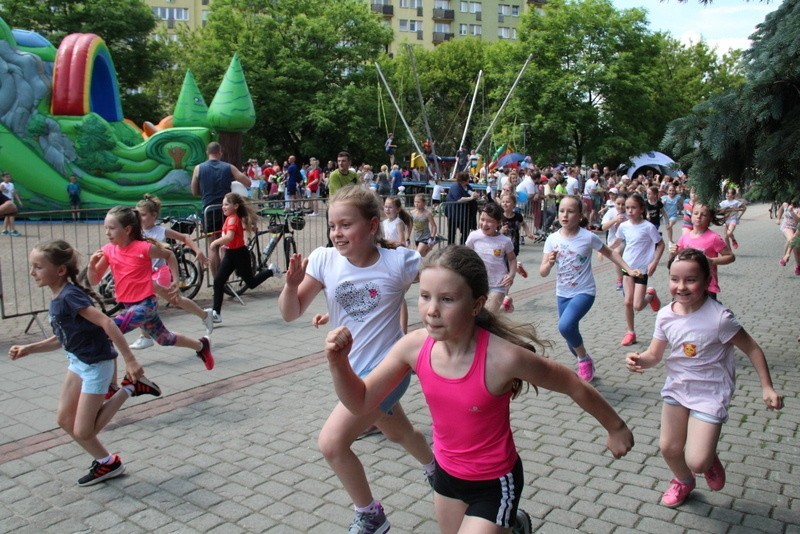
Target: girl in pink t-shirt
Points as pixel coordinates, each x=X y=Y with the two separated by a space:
x=470 y=365
x=706 y=240
x=700 y=374
x=129 y=256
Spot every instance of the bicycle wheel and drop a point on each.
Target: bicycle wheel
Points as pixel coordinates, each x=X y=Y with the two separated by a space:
x=191 y=275
x=289 y=248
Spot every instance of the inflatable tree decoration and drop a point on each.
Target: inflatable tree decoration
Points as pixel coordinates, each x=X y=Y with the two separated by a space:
x=232 y=112
x=190 y=110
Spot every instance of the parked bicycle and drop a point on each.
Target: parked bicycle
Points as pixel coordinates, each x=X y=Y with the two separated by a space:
x=189 y=270
x=281 y=225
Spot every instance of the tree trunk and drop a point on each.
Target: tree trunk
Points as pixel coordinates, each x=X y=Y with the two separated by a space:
x=231 y=143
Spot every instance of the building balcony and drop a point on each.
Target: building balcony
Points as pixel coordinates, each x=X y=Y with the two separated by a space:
x=444 y=14
x=384 y=9
x=440 y=37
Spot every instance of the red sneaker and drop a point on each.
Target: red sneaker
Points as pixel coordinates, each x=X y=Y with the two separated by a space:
x=205 y=353
x=735 y=244
x=628 y=339
x=655 y=303
x=112 y=389
x=715 y=476
x=677 y=493
x=521 y=270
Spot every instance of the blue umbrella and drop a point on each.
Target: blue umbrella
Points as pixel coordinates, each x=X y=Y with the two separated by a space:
x=511 y=159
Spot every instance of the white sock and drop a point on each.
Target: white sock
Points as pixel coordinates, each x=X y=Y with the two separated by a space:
x=105 y=460
x=371 y=508
x=429 y=468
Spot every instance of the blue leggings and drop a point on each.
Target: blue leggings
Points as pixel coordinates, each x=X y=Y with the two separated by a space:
x=570 y=312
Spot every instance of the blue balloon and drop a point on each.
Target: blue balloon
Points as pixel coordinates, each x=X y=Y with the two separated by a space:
x=522 y=196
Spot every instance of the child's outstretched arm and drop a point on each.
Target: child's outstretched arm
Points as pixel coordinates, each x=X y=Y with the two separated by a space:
x=548 y=374
x=46 y=345
x=638 y=362
x=744 y=342
x=97 y=267
x=656 y=258
x=361 y=396
x=614 y=256
x=132 y=367
x=189 y=241
x=299 y=289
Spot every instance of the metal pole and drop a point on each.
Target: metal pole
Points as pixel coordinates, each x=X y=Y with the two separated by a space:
x=508 y=96
x=408 y=129
x=469 y=118
x=413 y=62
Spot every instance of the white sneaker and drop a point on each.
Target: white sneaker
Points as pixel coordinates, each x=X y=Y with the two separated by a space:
x=208 y=321
x=215 y=318
x=142 y=343
x=276 y=271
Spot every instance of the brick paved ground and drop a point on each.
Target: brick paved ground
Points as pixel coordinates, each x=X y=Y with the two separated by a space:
x=234 y=450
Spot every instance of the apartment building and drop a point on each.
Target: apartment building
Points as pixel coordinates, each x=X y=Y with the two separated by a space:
x=423 y=22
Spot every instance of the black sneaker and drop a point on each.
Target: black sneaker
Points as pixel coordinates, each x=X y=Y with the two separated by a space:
x=143 y=386
x=522 y=523
x=205 y=353
x=100 y=472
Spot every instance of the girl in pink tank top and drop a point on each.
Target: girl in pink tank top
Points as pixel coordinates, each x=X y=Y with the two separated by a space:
x=470 y=365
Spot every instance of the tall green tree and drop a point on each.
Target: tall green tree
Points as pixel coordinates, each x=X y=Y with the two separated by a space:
x=308 y=67
x=126 y=27
x=750 y=134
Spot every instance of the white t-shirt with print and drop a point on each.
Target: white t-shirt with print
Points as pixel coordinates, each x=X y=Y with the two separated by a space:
x=640 y=242
x=573 y=262
x=701 y=367
x=493 y=250
x=367 y=300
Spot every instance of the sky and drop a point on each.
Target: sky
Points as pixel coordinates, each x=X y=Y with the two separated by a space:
x=725 y=24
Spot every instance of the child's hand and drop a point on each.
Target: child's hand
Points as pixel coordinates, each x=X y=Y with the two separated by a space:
x=338 y=344
x=620 y=441
x=296 y=271
x=96 y=257
x=133 y=369
x=551 y=259
x=771 y=399
x=651 y=268
x=635 y=273
x=18 y=351
x=320 y=319
x=673 y=248
x=507 y=280
x=202 y=259
x=632 y=362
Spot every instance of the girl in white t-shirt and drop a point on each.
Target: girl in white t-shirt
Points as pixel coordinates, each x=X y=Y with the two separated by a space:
x=497 y=252
x=364 y=281
x=733 y=209
x=571 y=250
x=643 y=250
x=396 y=224
x=613 y=217
x=700 y=380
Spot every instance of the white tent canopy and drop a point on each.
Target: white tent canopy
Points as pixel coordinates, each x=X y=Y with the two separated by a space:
x=654 y=159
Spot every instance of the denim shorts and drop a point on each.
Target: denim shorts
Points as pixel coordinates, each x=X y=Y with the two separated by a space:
x=396 y=394
x=705 y=417
x=95 y=376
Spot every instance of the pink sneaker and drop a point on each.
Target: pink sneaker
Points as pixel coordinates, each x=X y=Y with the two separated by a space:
x=628 y=339
x=715 y=476
x=782 y=262
x=677 y=493
x=655 y=303
x=586 y=369
x=797 y=270
x=521 y=270
x=508 y=305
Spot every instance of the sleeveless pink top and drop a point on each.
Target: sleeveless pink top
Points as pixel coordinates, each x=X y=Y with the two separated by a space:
x=472 y=437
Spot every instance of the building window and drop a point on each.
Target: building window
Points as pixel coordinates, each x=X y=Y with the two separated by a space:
x=474 y=7
x=515 y=11
x=513 y=33
x=171 y=13
x=442 y=27
x=465 y=7
x=411 y=3
x=504 y=33
x=463 y=29
x=441 y=4
x=414 y=25
x=475 y=29
x=503 y=9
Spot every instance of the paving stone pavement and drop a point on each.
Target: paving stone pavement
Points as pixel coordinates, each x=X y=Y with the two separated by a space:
x=234 y=449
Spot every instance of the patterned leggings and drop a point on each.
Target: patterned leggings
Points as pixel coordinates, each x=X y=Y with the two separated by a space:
x=144 y=315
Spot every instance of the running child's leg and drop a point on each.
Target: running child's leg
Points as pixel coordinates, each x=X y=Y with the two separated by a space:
x=397 y=428
x=224 y=271
x=629 y=289
x=77 y=414
x=640 y=296
x=701 y=444
x=495 y=300
x=449 y=513
x=672 y=443
x=570 y=313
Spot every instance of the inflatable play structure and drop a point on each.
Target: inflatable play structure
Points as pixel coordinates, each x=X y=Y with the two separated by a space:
x=61 y=115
